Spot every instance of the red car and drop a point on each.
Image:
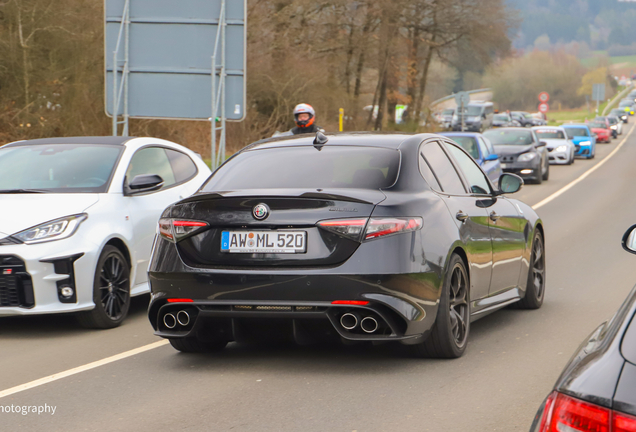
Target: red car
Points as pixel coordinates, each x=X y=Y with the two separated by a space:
x=602 y=131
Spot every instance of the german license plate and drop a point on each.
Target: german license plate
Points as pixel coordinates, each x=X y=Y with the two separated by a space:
x=264 y=241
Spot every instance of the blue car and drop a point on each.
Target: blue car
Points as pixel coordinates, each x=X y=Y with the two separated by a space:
x=583 y=138
x=480 y=148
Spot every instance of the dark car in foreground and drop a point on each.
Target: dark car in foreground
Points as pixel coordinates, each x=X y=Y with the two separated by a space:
x=361 y=237
x=597 y=389
x=480 y=149
x=520 y=152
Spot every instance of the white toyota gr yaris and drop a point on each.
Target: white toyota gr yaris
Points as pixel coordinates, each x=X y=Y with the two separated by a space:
x=78 y=219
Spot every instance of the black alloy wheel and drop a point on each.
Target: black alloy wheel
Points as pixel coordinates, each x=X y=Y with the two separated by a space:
x=546 y=174
x=535 y=286
x=449 y=336
x=111 y=291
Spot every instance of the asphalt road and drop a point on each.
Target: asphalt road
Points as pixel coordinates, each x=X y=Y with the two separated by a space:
x=513 y=357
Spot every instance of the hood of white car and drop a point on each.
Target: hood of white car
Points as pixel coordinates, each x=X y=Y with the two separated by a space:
x=553 y=142
x=22 y=211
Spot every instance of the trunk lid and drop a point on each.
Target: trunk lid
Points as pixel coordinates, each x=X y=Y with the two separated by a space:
x=289 y=210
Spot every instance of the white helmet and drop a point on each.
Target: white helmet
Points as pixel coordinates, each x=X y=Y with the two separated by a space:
x=304 y=109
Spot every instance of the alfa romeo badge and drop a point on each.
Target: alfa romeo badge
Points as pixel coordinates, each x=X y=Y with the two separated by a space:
x=260 y=211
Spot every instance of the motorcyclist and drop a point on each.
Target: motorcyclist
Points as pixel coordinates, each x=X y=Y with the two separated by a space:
x=305 y=118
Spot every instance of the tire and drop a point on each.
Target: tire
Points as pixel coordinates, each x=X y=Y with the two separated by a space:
x=194 y=345
x=535 y=285
x=593 y=153
x=111 y=291
x=449 y=335
x=546 y=175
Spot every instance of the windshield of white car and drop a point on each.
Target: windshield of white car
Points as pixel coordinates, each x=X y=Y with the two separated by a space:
x=576 y=131
x=57 y=168
x=509 y=137
x=550 y=134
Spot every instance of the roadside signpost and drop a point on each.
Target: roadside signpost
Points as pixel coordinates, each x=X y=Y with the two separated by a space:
x=176 y=60
x=598 y=94
x=461 y=99
x=544 y=108
x=544 y=97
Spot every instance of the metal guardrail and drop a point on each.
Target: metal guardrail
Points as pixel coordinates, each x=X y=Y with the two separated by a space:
x=616 y=98
x=445 y=98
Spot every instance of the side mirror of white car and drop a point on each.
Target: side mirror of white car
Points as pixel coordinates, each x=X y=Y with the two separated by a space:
x=144 y=183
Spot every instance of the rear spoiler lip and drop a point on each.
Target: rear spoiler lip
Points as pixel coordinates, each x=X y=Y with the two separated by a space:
x=362 y=196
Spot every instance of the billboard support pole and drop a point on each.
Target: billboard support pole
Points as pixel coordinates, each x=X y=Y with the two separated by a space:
x=218 y=95
x=123 y=86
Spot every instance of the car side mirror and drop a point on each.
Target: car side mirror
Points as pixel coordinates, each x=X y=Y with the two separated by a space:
x=509 y=184
x=492 y=157
x=542 y=144
x=144 y=183
x=629 y=240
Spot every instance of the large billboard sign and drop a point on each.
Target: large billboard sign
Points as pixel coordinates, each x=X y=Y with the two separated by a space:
x=164 y=48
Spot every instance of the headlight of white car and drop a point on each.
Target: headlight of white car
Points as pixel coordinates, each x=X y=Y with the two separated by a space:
x=526 y=157
x=53 y=230
x=561 y=148
x=585 y=143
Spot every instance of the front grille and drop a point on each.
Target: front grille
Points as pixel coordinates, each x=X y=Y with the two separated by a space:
x=16 y=286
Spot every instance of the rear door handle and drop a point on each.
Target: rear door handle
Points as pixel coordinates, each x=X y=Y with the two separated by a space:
x=494 y=216
x=461 y=216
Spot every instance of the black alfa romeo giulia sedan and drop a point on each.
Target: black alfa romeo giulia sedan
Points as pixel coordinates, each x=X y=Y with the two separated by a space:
x=365 y=237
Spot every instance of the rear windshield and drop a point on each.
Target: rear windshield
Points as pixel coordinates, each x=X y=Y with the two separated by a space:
x=471 y=110
x=509 y=137
x=576 y=131
x=550 y=134
x=468 y=143
x=307 y=168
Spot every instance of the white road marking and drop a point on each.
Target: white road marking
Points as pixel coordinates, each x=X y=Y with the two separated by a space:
x=79 y=369
x=584 y=175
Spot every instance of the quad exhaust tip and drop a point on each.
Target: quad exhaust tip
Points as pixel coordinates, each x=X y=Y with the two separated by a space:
x=369 y=324
x=169 y=321
x=349 y=321
x=183 y=318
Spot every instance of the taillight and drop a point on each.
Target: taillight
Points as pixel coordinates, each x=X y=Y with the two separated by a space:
x=379 y=227
x=350 y=228
x=565 y=413
x=176 y=229
x=375 y=227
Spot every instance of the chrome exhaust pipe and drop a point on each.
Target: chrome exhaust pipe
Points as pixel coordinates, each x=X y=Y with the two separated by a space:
x=369 y=324
x=349 y=321
x=169 y=320
x=183 y=318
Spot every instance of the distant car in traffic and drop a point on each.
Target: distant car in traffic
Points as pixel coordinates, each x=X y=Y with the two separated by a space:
x=504 y=120
x=362 y=237
x=627 y=105
x=521 y=152
x=480 y=149
x=526 y=119
x=560 y=149
x=582 y=136
x=79 y=218
x=445 y=118
x=620 y=113
x=477 y=117
x=597 y=388
x=613 y=122
x=601 y=130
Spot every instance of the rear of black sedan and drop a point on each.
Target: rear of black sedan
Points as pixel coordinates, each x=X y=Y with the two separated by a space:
x=297 y=239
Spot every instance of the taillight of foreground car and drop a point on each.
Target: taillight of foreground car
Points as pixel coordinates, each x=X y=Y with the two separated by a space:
x=177 y=229
x=371 y=228
x=567 y=414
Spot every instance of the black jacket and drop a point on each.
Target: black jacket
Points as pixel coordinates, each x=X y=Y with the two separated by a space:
x=311 y=129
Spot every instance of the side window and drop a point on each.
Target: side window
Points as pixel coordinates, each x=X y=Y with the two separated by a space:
x=428 y=174
x=182 y=166
x=443 y=169
x=476 y=178
x=482 y=146
x=151 y=160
